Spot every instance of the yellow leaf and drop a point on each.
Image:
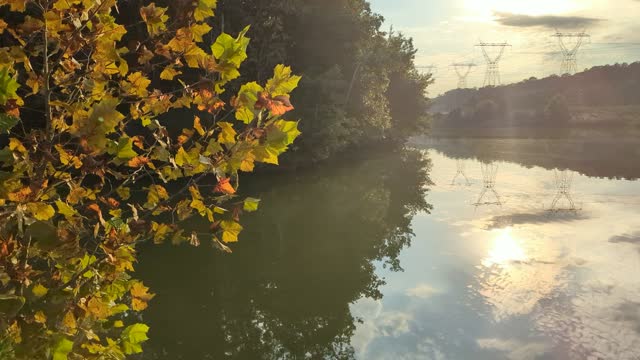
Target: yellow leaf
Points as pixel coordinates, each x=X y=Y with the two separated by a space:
x=41 y=211
x=199 y=30
x=98 y=309
x=169 y=73
x=118 y=324
x=15 y=5
x=155 y=18
x=137 y=84
x=66 y=210
x=40 y=317
x=198 y=126
x=39 y=290
x=69 y=321
x=230 y=231
x=228 y=134
x=204 y=9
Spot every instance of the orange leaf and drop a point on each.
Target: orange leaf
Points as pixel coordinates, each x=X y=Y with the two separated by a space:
x=224 y=186
x=138 y=161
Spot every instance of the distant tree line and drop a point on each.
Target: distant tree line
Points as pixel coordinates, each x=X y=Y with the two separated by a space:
x=540 y=102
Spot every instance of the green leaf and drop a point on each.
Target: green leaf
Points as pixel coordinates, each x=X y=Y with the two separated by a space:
x=282 y=82
x=125 y=149
x=230 y=54
x=62 y=348
x=7 y=122
x=132 y=338
x=245 y=115
x=251 y=204
x=8 y=86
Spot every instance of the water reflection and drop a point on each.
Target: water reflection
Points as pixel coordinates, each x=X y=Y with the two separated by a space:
x=488 y=195
x=515 y=281
x=309 y=253
x=563 y=180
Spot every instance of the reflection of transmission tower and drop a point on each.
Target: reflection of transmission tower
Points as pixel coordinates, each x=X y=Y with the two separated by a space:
x=463 y=70
x=489 y=173
x=492 y=78
x=461 y=172
x=570 y=53
x=564 y=180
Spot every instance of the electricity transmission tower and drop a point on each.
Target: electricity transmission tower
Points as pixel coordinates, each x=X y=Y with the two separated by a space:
x=564 y=180
x=570 y=52
x=492 y=77
x=489 y=173
x=463 y=70
x=460 y=173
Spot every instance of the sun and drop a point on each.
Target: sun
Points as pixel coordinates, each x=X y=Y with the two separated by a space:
x=486 y=8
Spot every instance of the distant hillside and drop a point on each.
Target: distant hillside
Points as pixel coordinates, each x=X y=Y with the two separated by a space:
x=601 y=96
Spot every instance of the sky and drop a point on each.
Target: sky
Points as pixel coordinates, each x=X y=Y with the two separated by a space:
x=446 y=32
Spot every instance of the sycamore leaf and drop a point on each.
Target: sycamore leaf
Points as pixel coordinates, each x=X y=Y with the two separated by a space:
x=41 y=211
x=198 y=126
x=137 y=85
x=125 y=149
x=282 y=82
x=198 y=31
x=132 y=337
x=204 y=9
x=39 y=291
x=62 y=348
x=8 y=86
x=155 y=18
x=66 y=210
x=100 y=121
x=228 y=134
x=230 y=231
x=251 y=204
x=169 y=73
x=155 y=195
x=140 y=296
x=224 y=186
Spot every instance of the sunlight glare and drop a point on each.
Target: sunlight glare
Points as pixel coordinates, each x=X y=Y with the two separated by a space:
x=505 y=249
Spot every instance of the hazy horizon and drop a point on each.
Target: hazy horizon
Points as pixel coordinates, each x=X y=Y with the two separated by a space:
x=447 y=31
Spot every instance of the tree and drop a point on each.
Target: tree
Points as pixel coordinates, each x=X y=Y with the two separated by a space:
x=90 y=170
x=359 y=82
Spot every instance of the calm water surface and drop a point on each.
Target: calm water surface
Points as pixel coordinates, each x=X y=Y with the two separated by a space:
x=390 y=259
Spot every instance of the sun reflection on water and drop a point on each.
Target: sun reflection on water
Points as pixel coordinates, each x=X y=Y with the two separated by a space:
x=505 y=249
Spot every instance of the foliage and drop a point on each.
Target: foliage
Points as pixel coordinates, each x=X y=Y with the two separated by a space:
x=90 y=169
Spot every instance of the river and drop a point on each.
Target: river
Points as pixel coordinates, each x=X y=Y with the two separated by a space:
x=451 y=249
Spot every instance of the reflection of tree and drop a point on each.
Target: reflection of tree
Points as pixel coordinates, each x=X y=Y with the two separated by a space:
x=303 y=258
